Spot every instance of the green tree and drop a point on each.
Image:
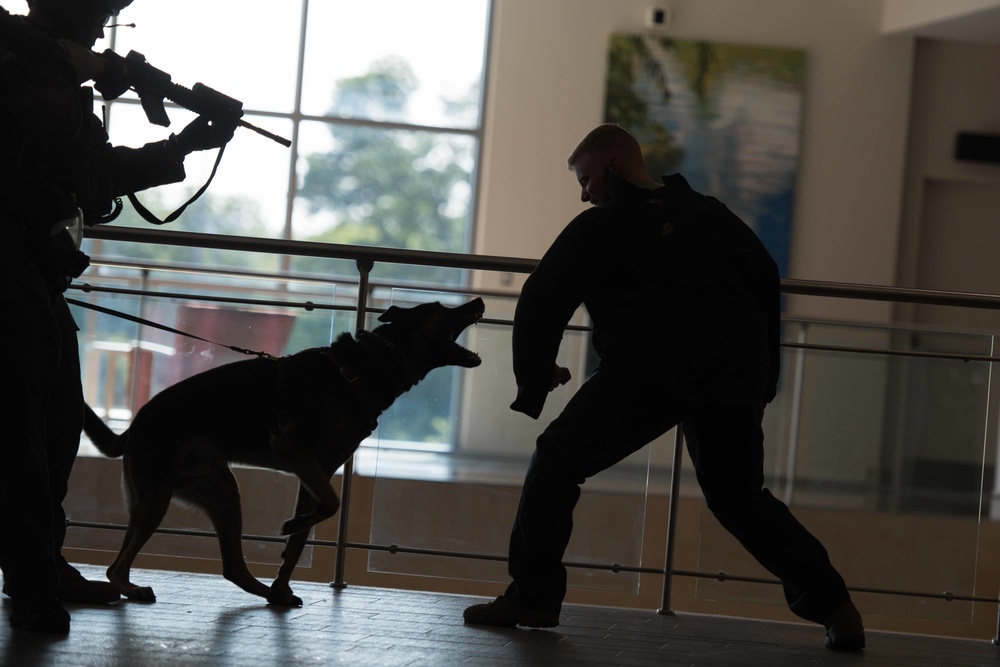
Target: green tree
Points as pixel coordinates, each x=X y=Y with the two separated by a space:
x=394 y=188
x=390 y=188
x=208 y=214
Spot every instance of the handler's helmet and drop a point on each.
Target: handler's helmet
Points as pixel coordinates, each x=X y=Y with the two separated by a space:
x=80 y=12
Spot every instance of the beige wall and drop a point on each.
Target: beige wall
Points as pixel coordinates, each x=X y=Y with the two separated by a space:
x=880 y=114
x=955 y=90
x=546 y=86
x=546 y=89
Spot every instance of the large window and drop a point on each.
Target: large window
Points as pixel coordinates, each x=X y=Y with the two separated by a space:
x=381 y=100
x=382 y=103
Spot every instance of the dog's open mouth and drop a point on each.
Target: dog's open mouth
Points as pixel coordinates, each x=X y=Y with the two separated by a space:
x=467 y=315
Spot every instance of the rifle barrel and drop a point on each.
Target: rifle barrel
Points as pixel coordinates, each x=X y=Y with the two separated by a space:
x=261 y=131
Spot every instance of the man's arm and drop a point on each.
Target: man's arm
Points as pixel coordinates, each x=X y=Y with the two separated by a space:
x=118 y=170
x=762 y=279
x=574 y=265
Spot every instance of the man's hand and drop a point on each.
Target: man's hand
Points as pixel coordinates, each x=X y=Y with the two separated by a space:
x=530 y=401
x=202 y=134
x=560 y=376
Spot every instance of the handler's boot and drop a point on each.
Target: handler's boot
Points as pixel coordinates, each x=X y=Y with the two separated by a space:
x=73 y=587
x=39 y=616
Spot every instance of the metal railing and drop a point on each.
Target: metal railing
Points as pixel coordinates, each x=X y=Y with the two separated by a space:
x=366 y=257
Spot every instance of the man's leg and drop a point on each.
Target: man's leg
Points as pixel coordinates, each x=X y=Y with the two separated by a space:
x=65 y=424
x=26 y=542
x=726 y=447
x=611 y=416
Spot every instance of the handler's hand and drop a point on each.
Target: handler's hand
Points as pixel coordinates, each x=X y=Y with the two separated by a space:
x=202 y=134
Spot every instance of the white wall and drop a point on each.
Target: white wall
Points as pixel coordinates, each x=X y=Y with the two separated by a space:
x=956 y=89
x=546 y=88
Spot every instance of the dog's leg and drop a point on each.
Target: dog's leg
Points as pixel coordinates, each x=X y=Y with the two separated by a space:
x=281 y=591
x=218 y=494
x=306 y=466
x=147 y=507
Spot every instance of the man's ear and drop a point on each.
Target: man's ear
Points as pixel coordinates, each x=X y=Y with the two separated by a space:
x=614 y=166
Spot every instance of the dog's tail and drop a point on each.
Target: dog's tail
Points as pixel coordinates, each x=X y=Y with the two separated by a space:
x=110 y=443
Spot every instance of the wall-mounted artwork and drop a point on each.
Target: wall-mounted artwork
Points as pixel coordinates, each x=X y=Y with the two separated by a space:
x=726 y=116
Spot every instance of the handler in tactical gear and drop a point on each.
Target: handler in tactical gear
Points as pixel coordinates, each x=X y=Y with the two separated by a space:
x=61 y=173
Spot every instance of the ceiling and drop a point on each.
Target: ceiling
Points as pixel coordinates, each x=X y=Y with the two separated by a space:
x=982 y=26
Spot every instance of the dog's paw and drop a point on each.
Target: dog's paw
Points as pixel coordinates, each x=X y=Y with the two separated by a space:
x=141 y=594
x=284 y=598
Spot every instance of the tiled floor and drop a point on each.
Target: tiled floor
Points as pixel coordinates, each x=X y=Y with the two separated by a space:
x=205 y=620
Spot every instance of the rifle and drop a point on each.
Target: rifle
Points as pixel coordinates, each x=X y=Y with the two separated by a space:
x=154 y=85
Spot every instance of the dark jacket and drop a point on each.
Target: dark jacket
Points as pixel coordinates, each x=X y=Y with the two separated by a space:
x=56 y=153
x=678 y=288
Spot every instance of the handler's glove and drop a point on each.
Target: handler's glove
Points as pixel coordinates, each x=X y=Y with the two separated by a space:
x=202 y=134
x=112 y=82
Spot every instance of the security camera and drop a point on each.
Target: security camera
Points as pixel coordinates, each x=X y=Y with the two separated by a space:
x=658 y=17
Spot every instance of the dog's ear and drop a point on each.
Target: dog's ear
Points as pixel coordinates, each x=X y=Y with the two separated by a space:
x=390 y=314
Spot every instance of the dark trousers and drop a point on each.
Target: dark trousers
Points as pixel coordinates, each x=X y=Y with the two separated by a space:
x=43 y=417
x=30 y=339
x=63 y=418
x=614 y=414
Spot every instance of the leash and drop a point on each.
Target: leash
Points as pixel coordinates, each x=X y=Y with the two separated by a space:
x=157 y=325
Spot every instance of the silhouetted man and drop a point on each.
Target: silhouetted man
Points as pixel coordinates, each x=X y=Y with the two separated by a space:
x=685 y=304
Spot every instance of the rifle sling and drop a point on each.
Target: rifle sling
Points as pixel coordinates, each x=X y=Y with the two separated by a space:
x=149 y=217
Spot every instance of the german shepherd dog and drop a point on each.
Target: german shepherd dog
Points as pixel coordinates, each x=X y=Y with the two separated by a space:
x=303 y=414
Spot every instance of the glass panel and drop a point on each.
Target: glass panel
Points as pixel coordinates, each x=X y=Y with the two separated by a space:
x=887 y=454
x=248 y=195
x=123 y=365
x=359 y=66
x=463 y=498
x=388 y=188
x=121 y=373
x=393 y=60
x=247 y=50
x=95 y=496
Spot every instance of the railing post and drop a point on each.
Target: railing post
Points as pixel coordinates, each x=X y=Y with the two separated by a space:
x=135 y=363
x=672 y=511
x=996 y=637
x=796 y=416
x=364 y=270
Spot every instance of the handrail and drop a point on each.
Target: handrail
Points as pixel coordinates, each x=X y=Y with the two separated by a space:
x=312 y=249
x=366 y=256
x=88 y=288
x=894 y=294
x=510 y=264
